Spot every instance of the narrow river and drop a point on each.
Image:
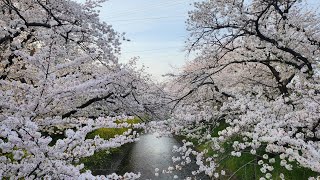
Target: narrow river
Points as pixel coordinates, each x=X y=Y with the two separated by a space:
x=150 y=153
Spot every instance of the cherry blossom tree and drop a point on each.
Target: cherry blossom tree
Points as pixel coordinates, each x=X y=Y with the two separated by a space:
x=59 y=72
x=254 y=85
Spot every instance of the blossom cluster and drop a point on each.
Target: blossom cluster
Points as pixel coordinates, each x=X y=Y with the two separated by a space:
x=26 y=152
x=253 y=88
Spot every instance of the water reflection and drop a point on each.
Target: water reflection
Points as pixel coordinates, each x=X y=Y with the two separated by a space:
x=150 y=153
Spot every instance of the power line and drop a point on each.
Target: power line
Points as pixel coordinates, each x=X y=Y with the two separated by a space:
x=164 y=56
x=151 y=18
x=152 y=50
x=147 y=8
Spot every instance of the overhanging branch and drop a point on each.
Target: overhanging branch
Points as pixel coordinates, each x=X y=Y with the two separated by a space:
x=86 y=104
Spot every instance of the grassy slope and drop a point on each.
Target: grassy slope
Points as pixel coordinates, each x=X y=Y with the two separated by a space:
x=102 y=161
x=246 y=167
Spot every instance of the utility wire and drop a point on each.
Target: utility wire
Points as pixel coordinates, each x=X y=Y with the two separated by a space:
x=147 y=9
x=150 y=18
x=152 y=50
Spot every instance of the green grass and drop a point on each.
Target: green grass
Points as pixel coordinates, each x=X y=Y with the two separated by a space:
x=10 y=155
x=130 y=121
x=99 y=160
x=102 y=160
x=106 y=133
x=246 y=167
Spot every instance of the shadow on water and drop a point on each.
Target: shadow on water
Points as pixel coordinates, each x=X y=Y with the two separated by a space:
x=150 y=153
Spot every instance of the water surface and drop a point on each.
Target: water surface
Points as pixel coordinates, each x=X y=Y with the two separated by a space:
x=150 y=153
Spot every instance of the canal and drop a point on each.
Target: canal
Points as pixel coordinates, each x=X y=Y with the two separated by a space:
x=150 y=154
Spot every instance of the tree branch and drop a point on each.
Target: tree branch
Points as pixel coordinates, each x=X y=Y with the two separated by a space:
x=86 y=104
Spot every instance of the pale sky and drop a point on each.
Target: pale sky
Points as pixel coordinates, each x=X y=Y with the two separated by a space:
x=157 y=31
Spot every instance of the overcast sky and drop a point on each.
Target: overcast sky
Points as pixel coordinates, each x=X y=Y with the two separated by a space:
x=156 y=28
